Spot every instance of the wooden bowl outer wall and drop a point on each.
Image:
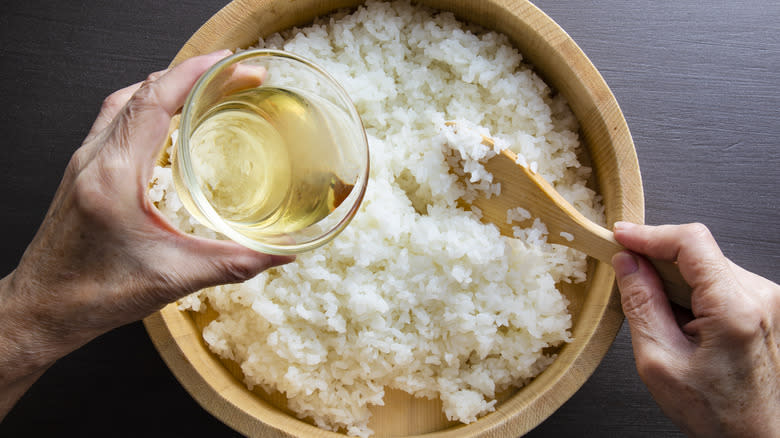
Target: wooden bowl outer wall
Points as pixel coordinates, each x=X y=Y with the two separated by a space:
x=561 y=63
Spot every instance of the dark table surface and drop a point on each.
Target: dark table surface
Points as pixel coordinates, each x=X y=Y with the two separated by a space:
x=699 y=83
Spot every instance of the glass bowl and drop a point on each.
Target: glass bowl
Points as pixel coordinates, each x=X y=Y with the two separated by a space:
x=271 y=152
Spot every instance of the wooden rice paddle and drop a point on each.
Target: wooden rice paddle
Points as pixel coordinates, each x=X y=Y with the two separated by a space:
x=521 y=187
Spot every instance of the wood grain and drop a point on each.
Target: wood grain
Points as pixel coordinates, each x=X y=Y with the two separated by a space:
x=696 y=81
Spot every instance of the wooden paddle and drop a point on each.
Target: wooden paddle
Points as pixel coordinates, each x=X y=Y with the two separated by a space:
x=521 y=187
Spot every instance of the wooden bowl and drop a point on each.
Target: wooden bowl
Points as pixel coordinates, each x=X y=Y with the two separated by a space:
x=595 y=305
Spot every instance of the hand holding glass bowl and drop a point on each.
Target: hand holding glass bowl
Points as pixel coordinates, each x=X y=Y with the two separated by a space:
x=271 y=153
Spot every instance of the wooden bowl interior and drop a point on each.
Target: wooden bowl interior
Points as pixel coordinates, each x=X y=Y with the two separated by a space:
x=594 y=305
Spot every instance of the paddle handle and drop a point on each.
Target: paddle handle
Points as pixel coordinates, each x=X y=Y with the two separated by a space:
x=566 y=226
x=600 y=243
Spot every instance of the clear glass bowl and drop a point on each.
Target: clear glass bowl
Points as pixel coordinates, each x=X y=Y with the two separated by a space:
x=319 y=144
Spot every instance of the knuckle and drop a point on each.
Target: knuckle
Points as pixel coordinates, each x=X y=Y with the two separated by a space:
x=146 y=94
x=150 y=78
x=705 y=262
x=154 y=76
x=749 y=321
x=145 y=99
x=698 y=231
x=112 y=102
x=95 y=191
x=653 y=368
x=88 y=185
x=87 y=198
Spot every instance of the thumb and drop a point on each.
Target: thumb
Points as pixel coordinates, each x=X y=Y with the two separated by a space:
x=654 y=329
x=701 y=262
x=142 y=124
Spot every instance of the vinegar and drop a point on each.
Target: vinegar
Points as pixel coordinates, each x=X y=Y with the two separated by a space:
x=265 y=159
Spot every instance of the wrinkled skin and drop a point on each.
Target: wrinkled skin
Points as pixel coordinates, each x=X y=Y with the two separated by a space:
x=104 y=256
x=715 y=371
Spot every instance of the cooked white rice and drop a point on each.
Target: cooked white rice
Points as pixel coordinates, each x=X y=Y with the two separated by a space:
x=416 y=294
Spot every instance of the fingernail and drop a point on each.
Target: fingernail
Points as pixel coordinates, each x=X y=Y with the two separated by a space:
x=219 y=54
x=623 y=225
x=624 y=263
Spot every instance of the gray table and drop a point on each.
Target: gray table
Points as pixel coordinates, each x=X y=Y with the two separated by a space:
x=698 y=82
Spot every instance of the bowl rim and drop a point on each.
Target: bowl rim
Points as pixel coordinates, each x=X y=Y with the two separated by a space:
x=221 y=394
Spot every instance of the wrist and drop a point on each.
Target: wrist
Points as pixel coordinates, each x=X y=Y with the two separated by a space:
x=25 y=348
x=24 y=356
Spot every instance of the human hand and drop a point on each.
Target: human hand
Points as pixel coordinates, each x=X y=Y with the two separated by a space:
x=715 y=371
x=104 y=256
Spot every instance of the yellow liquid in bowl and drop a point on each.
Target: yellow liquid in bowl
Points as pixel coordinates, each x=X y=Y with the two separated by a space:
x=267 y=160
